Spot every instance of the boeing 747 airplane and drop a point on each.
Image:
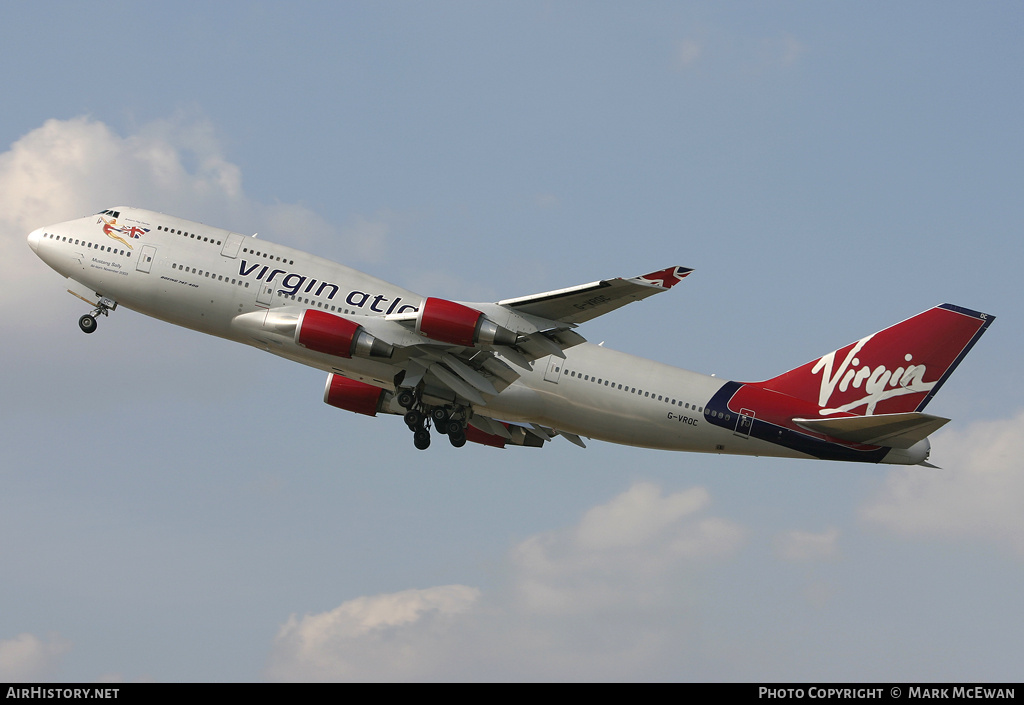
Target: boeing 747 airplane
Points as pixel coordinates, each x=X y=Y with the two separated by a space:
x=512 y=372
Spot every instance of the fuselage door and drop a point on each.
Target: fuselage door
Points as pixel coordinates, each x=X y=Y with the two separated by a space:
x=265 y=294
x=232 y=245
x=146 y=258
x=744 y=423
x=554 y=369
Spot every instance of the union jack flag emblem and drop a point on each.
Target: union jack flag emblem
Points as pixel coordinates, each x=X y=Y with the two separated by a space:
x=115 y=231
x=666 y=278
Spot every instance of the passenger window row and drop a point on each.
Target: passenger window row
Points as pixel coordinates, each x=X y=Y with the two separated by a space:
x=209 y=275
x=246 y=250
x=318 y=304
x=639 y=392
x=276 y=258
x=172 y=231
x=88 y=245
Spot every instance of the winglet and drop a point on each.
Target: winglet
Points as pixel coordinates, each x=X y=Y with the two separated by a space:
x=665 y=278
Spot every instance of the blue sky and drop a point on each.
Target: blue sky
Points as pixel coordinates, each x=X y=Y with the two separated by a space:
x=180 y=508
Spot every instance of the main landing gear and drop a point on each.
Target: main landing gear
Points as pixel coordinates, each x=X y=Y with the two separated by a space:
x=88 y=322
x=449 y=420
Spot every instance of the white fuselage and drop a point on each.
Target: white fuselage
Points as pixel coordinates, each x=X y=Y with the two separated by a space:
x=218 y=282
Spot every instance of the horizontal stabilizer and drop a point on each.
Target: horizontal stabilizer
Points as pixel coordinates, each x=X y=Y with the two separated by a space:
x=889 y=430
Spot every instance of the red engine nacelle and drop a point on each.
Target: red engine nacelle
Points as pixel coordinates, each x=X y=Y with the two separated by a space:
x=333 y=335
x=352 y=395
x=457 y=324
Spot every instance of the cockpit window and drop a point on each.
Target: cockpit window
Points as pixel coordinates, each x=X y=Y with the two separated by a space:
x=113 y=214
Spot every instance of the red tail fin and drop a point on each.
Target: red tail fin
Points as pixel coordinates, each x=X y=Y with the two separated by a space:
x=893 y=371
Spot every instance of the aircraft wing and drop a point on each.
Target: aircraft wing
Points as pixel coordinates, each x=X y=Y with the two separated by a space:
x=537 y=326
x=582 y=303
x=453 y=354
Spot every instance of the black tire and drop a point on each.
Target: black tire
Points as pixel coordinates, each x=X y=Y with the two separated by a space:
x=87 y=323
x=457 y=439
x=406 y=399
x=421 y=439
x=413 y=419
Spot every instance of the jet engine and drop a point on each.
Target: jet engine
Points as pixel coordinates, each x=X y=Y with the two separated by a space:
x=352 y=395
x=457 y=324
x=326 y=333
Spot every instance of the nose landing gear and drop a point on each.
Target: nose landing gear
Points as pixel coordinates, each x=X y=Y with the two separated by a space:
x=88 y=322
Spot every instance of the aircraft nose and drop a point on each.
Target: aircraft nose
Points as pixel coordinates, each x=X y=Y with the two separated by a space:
x=33 y=239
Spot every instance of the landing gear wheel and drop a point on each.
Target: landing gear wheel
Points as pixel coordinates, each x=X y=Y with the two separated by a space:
x=406 y=399
x=439 y=415
x=421 y=439
x=413 y=419
x=87 y=323
x=457 y=439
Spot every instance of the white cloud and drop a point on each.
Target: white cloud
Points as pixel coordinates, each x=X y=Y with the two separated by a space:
x=547 y=201
x=618 y=551
x=70 y=168
x=367 y=238
x=688 y=52
x=26 y=657
x=600 y=599
x=978 y=493
x=806 y=546
x=385 y=637
x=750 y=55
x=781 y=52
x=636 y=516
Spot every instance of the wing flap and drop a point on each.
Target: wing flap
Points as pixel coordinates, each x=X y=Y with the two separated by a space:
x=488 y=425
x=456 y=384
x=469 y=374
x=889 y=430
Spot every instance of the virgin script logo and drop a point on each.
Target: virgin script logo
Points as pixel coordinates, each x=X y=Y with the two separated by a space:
x=879 y=383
